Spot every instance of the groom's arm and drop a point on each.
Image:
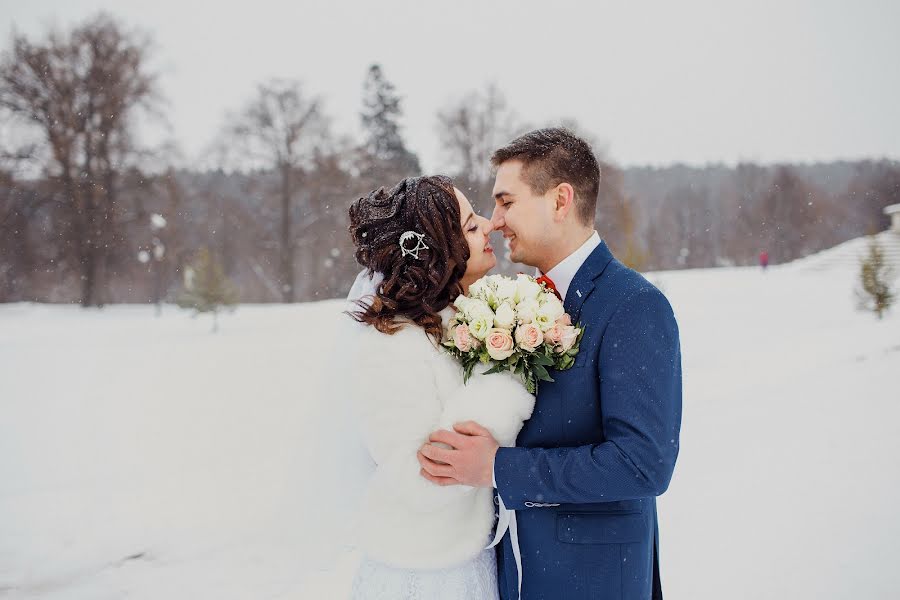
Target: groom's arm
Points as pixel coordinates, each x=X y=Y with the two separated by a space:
x=640 y=384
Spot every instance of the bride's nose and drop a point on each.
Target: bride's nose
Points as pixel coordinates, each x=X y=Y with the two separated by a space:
x=486 y=226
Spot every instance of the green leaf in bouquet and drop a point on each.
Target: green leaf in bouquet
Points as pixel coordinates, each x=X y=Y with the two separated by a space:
x=542 y=373
x=497 y=368
x=530 y=385
x=565 y=363
x=467 y=371
x=542 y=359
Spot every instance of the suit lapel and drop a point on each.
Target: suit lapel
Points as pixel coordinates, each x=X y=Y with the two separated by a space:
x=583 y=283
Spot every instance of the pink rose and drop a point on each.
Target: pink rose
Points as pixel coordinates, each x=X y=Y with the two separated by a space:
x=463 y=338
x=570 y=334
x=564 y=320
x=529 y=337
x=553 y=336
x=499 y=344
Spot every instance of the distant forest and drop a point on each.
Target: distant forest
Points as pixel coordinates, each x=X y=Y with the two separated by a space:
x=89 y=215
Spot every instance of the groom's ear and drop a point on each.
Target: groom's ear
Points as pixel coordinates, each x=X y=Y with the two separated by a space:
x=564 y=196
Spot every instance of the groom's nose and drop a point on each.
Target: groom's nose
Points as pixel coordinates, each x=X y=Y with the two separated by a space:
x=497 y=221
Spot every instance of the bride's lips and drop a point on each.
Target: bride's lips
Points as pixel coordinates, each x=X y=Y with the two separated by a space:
x=488 y=249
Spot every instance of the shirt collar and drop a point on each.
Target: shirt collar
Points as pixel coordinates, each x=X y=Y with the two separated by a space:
x=562 y=274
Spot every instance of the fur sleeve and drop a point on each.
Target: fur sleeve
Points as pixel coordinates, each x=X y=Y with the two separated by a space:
x=398 y=408
x=497 y=401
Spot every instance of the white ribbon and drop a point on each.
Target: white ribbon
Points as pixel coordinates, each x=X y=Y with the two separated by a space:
x=506 y=520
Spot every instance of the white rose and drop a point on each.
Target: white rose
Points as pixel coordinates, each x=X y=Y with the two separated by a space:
x=478 y=308
x=480 y=289
x=550 y=310
x=506 y=290
x=527 y=287
x=461 y=302
x=505 y=316
x=527 y=310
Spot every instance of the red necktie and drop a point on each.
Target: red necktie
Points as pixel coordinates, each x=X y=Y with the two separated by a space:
x=549 y=283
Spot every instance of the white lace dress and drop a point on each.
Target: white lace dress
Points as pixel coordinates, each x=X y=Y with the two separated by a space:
x=472 y=580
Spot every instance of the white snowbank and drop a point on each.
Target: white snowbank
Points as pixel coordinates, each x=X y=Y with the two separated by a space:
x=145 y=457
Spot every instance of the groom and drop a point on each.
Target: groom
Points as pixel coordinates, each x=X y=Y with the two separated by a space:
x=603 y=439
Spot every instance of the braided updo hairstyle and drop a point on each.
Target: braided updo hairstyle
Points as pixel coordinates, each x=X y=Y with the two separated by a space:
x=414 y=289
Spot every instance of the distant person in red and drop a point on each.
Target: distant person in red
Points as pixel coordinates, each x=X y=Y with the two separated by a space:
x=764 y=259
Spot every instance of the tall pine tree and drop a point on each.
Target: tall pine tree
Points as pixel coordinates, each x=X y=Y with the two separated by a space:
x=386 y=158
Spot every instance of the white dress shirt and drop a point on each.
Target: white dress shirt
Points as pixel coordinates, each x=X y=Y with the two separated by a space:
x=562 y=274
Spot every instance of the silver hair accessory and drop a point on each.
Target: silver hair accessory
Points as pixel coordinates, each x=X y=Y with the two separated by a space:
x=420 y=245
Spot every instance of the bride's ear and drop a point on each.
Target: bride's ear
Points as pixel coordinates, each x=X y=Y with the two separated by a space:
x=564 y=199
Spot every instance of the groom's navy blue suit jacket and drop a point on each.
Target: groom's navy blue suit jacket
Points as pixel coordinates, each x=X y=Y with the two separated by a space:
x=599 y=447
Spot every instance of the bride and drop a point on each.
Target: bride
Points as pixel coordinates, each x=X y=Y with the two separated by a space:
x=421 y=246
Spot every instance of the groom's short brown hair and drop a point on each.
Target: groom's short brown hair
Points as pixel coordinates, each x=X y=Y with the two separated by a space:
x=553 y=156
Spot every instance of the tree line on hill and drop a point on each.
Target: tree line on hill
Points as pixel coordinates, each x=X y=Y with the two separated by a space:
x=90 y=214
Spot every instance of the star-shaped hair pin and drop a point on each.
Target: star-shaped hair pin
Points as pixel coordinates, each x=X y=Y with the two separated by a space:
x=409 y=236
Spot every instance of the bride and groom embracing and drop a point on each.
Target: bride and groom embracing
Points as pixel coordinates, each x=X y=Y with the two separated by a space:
x=572 y=474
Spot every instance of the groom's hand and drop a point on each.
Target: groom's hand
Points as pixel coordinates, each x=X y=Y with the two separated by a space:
x=469 y=460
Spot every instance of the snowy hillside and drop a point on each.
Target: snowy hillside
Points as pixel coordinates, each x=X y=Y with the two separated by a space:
x=143 y=457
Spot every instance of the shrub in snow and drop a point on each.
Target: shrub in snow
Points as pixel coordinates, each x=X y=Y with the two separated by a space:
x=875 y=293
x=206 y=288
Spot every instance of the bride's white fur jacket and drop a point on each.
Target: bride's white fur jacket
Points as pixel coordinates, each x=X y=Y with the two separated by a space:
x=404 y=387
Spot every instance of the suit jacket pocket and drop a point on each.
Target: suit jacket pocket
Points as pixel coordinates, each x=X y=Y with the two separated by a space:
x=601 y=528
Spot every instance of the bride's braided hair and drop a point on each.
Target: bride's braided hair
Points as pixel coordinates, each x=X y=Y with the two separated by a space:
x=414 y=289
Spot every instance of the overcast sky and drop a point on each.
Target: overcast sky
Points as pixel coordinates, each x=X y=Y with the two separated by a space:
x=677 y=81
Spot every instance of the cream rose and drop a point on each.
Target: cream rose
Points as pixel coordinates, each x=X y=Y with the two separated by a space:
x=553 y=336
x=463 y=338
x=480 y=289
x=478 y=308
x=570 y=334
x=527 y=287
x=500 y=344
x=506 y=290
x=461 y=302
x=529 y=337
x=505 y=317
x=526 y=310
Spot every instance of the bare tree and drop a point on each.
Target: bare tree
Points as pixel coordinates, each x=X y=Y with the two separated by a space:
x=82 y=90
x=469 y=130
x=280 y=129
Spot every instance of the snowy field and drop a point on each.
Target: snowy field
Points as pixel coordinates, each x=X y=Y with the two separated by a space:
x=146 y=458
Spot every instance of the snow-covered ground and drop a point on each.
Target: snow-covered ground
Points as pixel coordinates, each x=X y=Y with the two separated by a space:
x=146 y=458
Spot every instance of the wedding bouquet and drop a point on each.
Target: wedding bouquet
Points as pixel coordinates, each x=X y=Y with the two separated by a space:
x=518 y=324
